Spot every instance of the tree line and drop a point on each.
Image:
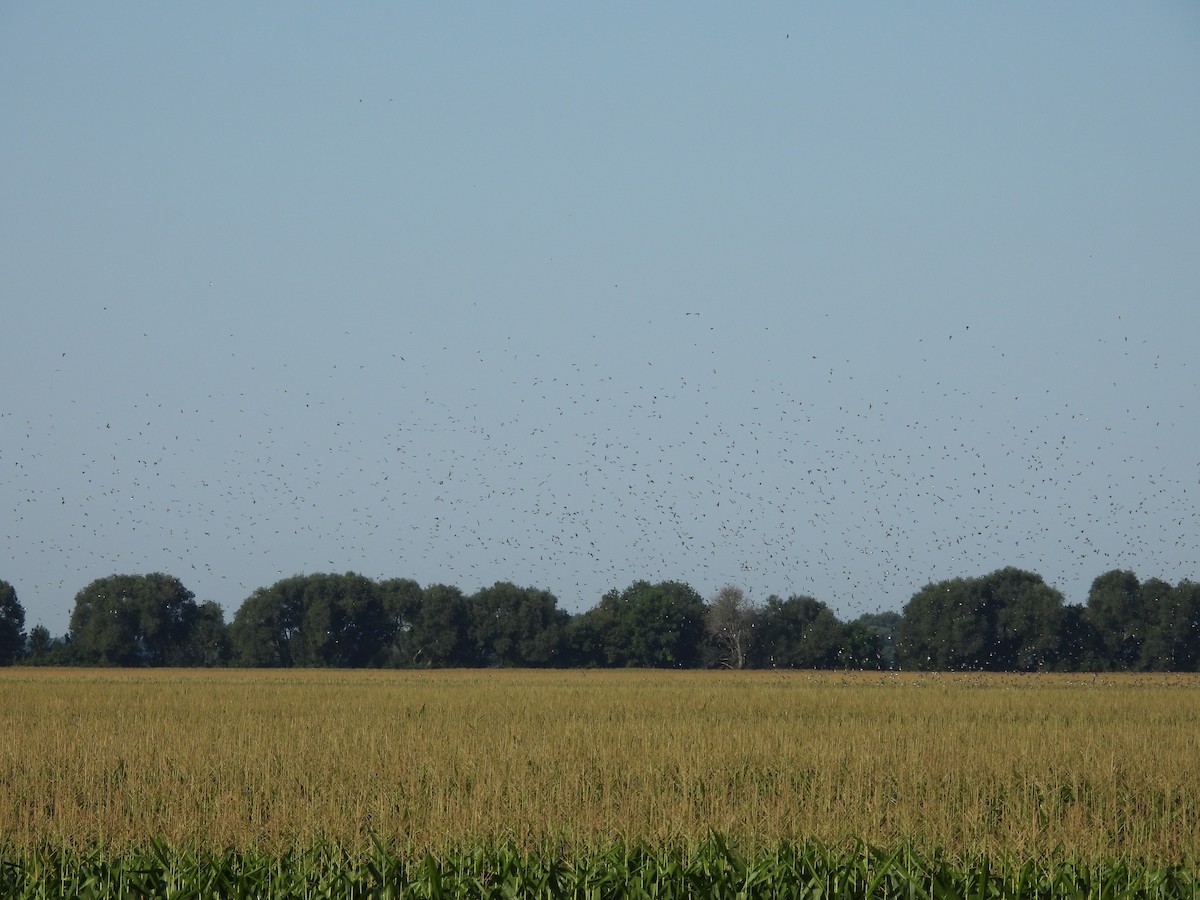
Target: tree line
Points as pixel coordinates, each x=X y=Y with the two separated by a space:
x=1009 y=620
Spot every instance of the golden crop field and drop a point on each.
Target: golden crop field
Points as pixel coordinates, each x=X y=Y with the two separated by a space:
x=1032 y=766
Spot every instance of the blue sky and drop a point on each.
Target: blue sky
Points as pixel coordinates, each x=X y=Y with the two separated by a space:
x=820 y=299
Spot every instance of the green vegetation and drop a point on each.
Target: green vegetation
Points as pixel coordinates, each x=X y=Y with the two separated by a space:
x=711 y=869
x=596 y=783
x=12 y=624
x=1006 y=621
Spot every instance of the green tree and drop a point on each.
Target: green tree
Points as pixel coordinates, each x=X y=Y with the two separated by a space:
x=1081 y=648
x=344 y=623
x=798 y=633
x=441 y=630
x=1172 y=629
x=944 y=626
x=1114 y=611
x=883 y=625
x=428 y=627
x=312 y=620
x=12 y=625
x=208 y=644
x=1010 y=620
x=1029 y=618
x=133 y=620
x=514 y=626
x=47 y=650
x=401 y=599
x=583 y=641
x=104 y=628
x=264 y=625
x=646 y=625
x=861 y=647
x=1182 y=638
x=40 y=642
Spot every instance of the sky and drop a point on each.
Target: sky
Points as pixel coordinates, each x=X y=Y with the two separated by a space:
x=824 y=299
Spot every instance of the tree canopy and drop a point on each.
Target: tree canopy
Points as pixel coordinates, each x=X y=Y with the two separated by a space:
x=646 y=626
x=1144 y=626
x=1010 y=620
x=12 y=625
x=1007 y=620
x=313 y=620
x=141 y=620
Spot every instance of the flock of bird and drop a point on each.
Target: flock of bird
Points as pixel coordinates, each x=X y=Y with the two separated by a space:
x=584 y=467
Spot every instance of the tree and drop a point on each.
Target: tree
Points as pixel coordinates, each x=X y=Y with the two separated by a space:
x=1114 y=610
x=344 y=623
x=103 y=627
x=1010 y=620
x=46 y=650
x=312 y=620
x=1144 y=626
x=401 y=599
x=441 y=629
x=513 y=626
x=12 y=625
x=1029 y=618
x=264 y=625
x=1081 y=649
x=40 y=642
x=428 y=627
x=730 y=619
x=1183 y=637
x=861 y=647
x=1172 y=626
x=133 y=620
x=883 y=625
x=646 y=625
x=798 y=633
x=944 y=626
x=208 y=644
x=581 y=640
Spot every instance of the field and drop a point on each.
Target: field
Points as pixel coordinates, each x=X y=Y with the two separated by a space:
x=1101 y=771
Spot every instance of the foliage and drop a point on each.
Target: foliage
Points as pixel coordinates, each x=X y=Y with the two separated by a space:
x=646 y=626
x=514 y=626
x=263 y=627
x=709 y=869
x=1114 y=611
x=143 y=620
x=12 y=625
x=440 y=632
x=861 y=647
x=1146 y=626
x=798 y=633
x=210 y=638
x=46 y=650
x=429 y=626
x=1179 y=647
x=40 y=641
x=1007 y=621
x=883 y=626
x=343 y=621
x=313 y=620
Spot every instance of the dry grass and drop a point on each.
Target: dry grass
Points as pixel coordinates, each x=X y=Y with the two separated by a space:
x=1023 y=765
